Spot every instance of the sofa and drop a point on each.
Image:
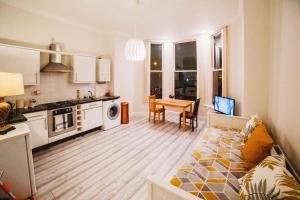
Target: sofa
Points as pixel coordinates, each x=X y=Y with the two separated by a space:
x=215 y=168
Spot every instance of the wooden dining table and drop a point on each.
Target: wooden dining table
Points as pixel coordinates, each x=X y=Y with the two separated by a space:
x=181 y=105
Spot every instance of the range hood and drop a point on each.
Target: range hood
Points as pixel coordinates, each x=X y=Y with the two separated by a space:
x=55 y=64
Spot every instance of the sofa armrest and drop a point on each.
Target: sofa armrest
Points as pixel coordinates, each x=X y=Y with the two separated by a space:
x=226 y=121
x=159 y=189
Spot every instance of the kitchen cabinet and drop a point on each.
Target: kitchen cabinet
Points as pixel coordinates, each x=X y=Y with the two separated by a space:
x=91 y=115
x=21 y=60
x=38 y=125
x=103 y=70
x=84 y=69
x=16 y=161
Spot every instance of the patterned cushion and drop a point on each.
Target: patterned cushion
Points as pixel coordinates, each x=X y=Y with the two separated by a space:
x=269 y=180
x=214 y=166
x=253 y=122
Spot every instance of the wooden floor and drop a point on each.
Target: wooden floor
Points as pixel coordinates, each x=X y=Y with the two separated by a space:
x=113 y=164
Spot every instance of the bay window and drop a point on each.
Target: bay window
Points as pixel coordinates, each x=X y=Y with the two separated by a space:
x=185 y=70
x=156 y=70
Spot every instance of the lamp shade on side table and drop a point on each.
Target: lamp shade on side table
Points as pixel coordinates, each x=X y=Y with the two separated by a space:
x=11 y=84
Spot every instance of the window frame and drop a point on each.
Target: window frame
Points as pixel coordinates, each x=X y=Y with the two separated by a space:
x=224 y=69
x=174 y=65
x=149 y=71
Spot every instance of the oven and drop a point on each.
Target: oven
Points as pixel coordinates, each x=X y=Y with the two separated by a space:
x=61 y=120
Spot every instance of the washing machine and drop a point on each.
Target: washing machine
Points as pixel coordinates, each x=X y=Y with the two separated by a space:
x=111 y=113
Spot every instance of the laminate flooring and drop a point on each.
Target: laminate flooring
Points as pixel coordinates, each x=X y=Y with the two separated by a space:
x=113 y=164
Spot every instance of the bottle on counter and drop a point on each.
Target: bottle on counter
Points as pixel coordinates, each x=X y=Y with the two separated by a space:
x=77 y=94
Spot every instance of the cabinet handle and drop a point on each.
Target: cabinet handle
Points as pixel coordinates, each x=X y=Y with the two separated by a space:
x=76 y=76
x=94 y=105
x=36 y=77
x=32 y=117
x=46 y=127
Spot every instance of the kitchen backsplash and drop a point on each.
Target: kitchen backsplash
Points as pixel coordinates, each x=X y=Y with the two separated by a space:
x=57 y=87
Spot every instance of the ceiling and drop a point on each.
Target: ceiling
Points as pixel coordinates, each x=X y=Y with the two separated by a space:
x=154 y=19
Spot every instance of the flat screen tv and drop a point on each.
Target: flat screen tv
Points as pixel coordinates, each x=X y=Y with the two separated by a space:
x=224 y=105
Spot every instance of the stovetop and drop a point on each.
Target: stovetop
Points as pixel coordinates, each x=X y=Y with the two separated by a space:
x=60 y=104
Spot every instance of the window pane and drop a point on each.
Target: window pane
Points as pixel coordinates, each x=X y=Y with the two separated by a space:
x=156 y=84
x=185 y=56
x=218 y=52
x=186 y=85
x=217 y=84
x=156 y=57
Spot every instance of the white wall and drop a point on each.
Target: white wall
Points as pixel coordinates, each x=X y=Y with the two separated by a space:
x=271 y=69
x=128 y=77
x=235 y=63
x=17 y=25
x=284 y=94
x=256 y=57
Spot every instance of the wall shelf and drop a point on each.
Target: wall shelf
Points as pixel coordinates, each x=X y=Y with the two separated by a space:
x=48 y=51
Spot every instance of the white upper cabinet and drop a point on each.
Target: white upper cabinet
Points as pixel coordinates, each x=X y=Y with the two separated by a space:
x=103 y=70
x=19 y=60
x=84 y=69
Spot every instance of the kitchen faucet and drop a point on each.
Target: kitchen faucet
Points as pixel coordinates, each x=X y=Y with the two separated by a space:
x=91 y=94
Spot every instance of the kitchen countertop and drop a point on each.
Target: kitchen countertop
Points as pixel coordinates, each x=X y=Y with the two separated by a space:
x=18 y=117
x=88 y=100
x=37 y=108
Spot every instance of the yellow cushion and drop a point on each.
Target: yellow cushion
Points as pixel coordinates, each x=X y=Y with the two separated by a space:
x=257 y=147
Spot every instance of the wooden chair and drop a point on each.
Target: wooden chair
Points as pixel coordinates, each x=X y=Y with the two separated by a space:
x=155 y=110
x=191 y=115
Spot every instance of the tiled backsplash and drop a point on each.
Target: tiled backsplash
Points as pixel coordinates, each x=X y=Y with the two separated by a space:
x=57 y=87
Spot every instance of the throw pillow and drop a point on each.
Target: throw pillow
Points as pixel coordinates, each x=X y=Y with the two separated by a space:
x=257 y=147
x=269 y=180
x=253 y=122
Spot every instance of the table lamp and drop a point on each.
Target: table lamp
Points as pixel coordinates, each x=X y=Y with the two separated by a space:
x=10 y=84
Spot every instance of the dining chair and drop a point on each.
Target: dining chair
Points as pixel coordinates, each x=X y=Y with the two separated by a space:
x=192 y=116
x=154 y=109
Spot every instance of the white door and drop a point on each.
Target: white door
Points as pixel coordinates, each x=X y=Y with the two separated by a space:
x=24 y=61
x=38 y=132
x=92 y=118
x=84 y=69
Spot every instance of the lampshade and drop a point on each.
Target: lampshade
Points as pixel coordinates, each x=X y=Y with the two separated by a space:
x=135 y=50
x=11 y=84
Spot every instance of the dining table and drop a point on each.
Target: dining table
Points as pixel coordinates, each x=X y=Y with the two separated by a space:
x=181 y=105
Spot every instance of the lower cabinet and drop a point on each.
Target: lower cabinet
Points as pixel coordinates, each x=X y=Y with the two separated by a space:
x=38 y=125
x=92 y=115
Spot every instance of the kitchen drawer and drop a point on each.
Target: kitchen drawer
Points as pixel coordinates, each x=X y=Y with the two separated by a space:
x=91 y=105
x=36 y=115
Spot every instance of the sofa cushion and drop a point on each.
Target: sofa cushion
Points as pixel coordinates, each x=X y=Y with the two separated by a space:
x=212 y=169
x=269 y=180
x=257 y=147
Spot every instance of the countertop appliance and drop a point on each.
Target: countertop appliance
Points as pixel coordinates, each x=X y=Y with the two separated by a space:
x=111 y=114
x=61 y=117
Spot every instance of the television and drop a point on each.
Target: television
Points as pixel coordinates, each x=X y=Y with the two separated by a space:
x=224 y=105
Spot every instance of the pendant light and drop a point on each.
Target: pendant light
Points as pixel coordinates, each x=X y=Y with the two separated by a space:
x=135 y=48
